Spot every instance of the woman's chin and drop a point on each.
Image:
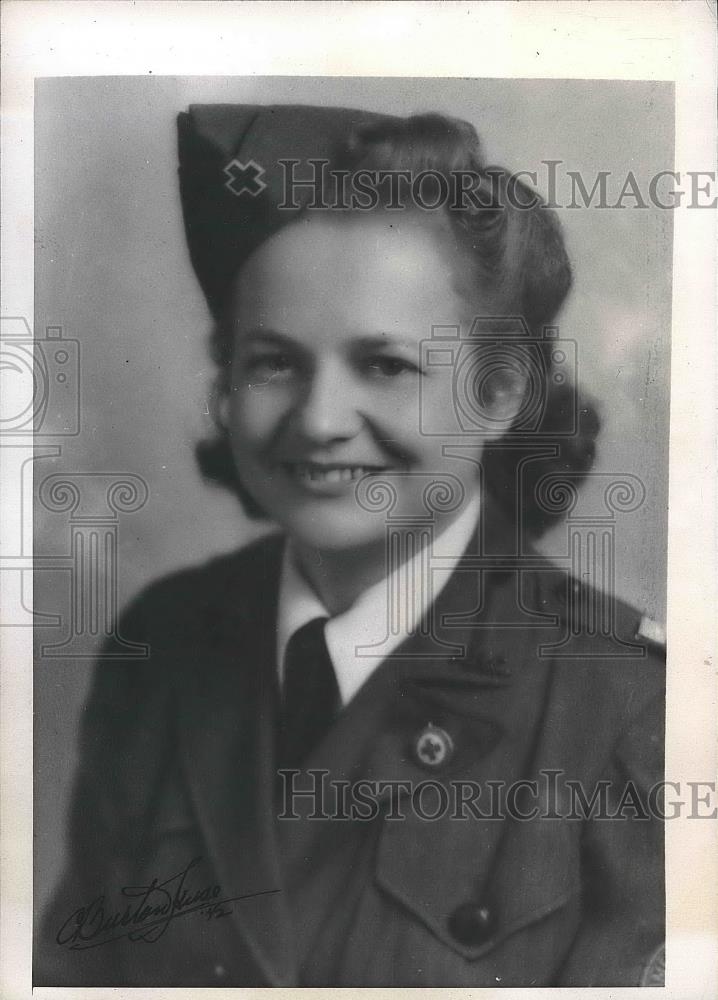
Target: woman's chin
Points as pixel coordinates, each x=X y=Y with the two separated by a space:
x=334 y=531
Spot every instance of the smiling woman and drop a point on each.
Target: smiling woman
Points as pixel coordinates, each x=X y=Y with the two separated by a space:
x=329 y=319
x=392 y=395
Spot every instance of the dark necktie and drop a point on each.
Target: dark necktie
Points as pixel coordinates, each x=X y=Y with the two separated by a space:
x=310 y=693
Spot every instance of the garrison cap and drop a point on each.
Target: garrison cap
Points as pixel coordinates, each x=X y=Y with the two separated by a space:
x=232 y=181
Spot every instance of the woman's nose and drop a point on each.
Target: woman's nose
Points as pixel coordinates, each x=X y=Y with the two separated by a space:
x=329 y=407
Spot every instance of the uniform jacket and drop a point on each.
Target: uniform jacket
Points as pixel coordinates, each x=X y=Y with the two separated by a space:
x=177 y=767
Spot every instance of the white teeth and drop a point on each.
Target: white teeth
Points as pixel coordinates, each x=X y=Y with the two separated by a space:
x=310 y=473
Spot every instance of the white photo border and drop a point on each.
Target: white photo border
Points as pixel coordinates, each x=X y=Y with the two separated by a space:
x=597 y=40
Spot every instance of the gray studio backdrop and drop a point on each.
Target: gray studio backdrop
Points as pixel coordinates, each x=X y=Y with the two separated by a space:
x=112 y=273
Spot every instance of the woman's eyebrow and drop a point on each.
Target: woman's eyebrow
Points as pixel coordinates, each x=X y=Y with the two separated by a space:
x=362 y=342
x=386 y=340
x=274 y=336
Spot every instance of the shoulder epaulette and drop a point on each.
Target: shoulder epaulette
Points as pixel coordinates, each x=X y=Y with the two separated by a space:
x=652 y=633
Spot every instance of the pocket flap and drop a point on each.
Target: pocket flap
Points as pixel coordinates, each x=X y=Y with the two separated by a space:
x=515 y=873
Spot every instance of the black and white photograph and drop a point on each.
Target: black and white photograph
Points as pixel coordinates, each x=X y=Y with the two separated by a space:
x=347 y=457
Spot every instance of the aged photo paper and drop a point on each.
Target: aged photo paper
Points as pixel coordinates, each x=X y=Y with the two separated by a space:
x=358 y=463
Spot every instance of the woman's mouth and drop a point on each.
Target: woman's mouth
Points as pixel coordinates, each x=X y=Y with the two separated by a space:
x=318 y=476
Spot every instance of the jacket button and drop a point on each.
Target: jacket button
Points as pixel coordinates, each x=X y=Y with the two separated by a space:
x=433 y=747
x=472 y=923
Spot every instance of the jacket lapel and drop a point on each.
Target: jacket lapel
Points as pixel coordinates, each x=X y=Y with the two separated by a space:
x=227 y=710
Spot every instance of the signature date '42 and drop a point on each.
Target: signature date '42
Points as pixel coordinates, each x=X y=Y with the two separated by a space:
x=149 y=911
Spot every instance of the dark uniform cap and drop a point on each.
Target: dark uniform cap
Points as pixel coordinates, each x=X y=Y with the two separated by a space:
x=223 y=227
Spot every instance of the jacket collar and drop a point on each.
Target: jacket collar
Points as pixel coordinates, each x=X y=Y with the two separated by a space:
x=384 y=616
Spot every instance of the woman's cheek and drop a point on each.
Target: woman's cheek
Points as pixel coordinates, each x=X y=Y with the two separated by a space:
x=257 y=412
x=397 y=407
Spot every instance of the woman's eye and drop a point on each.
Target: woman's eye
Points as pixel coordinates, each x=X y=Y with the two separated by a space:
x=264 y=367
x=388 y=366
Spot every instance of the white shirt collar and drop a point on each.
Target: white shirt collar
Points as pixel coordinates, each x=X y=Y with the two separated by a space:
x=365 y=623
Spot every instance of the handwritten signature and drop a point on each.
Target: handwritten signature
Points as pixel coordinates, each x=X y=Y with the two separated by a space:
x=153 y=909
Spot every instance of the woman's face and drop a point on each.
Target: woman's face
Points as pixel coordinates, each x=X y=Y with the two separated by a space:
x=328 y=380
